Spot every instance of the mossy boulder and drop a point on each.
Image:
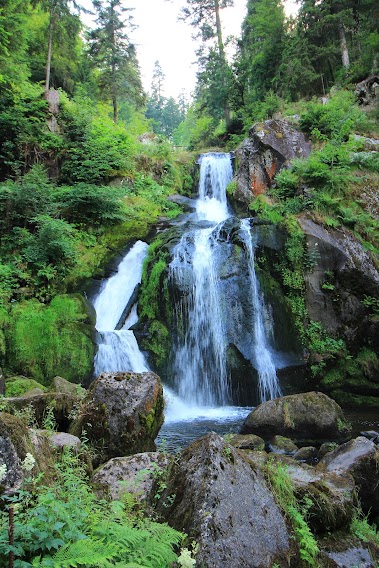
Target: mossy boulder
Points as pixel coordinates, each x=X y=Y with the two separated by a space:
x=62 y=406
x=305 y=418
x=358 y=458
x=122 y=413
x=282 y=445
x=214 y=495
x=54 y=339
x=19 y=386
x=330 y=498
x=137 y=474
x=247 y=442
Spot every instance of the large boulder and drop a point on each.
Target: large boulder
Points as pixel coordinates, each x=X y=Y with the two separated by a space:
x=358 y=458
x=219 y=500
x=330 y=497
x=122 y=414
x=137 y=475
x=270 y=146
x=310 y=417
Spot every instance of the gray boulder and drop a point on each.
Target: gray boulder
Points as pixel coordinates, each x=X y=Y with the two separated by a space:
x=305 y=418
x=219 y=500
x=358 y=458
x=270 y=146
x=122 y=413
x=247 y=442
x=138 y=475
x=330 y=497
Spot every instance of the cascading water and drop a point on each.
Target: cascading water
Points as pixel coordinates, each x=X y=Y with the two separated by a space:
x=200 y=356
x=268 y=381
x=118 y=349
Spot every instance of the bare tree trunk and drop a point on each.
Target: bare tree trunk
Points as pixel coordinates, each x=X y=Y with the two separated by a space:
x=343 y=46
x=49 y=50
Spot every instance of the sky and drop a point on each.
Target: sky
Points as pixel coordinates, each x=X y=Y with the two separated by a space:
x=161 y=37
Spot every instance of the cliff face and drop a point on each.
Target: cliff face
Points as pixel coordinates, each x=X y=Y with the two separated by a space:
x=341 y=287
x=270 y=146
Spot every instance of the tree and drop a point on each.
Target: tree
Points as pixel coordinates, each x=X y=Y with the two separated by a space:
x=204 y=15
x=114 y=54
x=260 y=48
x=56 y=9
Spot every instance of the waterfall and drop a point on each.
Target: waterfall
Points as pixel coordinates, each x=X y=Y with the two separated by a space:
x=268 y=381
x=200 y=369
x=118 y=349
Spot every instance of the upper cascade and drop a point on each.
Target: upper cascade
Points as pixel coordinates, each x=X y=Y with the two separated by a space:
x=216 y=172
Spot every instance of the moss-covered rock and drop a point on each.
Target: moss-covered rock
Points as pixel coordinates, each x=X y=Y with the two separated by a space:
x=55 y=339
x=19 y=386
x=306 y=417
x=122 y=414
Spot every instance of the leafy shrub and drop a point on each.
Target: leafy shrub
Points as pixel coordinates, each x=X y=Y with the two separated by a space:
x=64 y=525
x=90 y=204
x=336 y=119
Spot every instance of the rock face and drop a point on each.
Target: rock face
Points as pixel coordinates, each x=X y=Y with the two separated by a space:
x=331 y=496
x=343 y=277
x=122 y=413
x=306 y=417
x=367 y=91
x=269 y=147
x=358 y=458
x=226 y=506
x=132 y=474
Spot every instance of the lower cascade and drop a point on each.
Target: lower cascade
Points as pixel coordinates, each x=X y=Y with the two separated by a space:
x=117 y=348
x=209 y=319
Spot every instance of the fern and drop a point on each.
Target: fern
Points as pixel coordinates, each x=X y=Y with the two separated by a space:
x=86 y=552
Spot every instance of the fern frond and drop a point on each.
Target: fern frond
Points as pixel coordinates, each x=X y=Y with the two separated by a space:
x=86 y=552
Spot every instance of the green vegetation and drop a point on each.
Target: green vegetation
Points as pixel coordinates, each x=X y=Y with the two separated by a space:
x=64 y=524
x=282 y=487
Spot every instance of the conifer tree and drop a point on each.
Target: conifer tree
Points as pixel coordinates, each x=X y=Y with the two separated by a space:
x=114 y=54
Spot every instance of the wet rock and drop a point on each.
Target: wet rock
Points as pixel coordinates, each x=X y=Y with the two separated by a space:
x=247 y=442
x=351 y=558
x=270 y=146
x=339 y=253
x=326 y=447
x=61 y=440
x=59 y=384
x=305 y=417
x=371 y=435
x=329 y=496
x=306 y=454
x=282 y=445
x=226 y=506
x=122 y=413
x=358 y=458
x=136 y=474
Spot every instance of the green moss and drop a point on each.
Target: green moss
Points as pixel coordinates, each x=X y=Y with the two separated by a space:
x=17 y=386
x=51 y=340
x=351 y=400
x=231 y=188
x=158 y=342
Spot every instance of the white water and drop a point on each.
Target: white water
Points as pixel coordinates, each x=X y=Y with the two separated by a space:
x=200 y=356
x=268 y=381
x=118 y=350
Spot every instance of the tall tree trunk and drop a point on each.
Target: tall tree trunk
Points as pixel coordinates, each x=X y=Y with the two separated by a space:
x=49 y=50
x=114 y=78
x=343 y=46
x=222 y=57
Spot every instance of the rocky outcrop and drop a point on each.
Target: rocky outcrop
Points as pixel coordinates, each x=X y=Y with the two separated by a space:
x=122 y=413
x=269 y=147
x=62 y=406
x=358 y=458
x=330 y=496
x=306 y=417
x=137 y=474
x=341 y=257
x=219 y=500
x=367 y=91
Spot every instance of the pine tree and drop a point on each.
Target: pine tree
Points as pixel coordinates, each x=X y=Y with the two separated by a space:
x=204 y=16
x=114 y=54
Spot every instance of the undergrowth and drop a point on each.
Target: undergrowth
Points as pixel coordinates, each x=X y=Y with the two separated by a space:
x=64 y=525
